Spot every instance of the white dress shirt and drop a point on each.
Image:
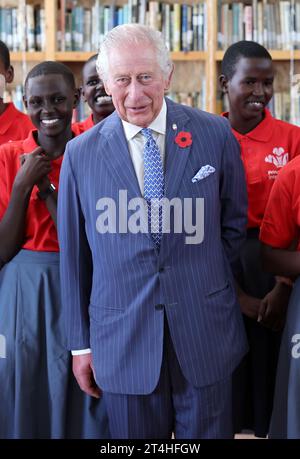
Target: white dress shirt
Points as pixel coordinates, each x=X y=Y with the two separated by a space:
x=136 y=142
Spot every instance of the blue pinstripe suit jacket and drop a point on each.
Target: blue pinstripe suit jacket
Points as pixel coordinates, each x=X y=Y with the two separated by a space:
x=111 y=283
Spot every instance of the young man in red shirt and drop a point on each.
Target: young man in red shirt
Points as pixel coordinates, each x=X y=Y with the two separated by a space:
x=94 y=94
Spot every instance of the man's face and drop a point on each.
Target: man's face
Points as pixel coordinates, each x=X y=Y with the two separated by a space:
x=6 y=76
x=251 y=87
x=136 y=84
x=94 y=92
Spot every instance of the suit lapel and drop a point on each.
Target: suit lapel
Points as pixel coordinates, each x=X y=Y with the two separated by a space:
x=118 y=160
x=176 y=156
x=117 y=156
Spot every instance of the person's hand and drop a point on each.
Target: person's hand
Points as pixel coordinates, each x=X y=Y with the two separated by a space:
x=43 y=184
x=274 y=305
x=84 y=373
x=249 y=305
x=34 y=167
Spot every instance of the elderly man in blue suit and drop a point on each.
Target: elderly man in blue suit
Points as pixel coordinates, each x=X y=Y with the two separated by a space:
x=152 y=214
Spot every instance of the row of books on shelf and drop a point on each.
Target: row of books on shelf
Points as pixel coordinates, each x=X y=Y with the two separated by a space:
x=82 y=29
x=274 y=24
x=22 y=28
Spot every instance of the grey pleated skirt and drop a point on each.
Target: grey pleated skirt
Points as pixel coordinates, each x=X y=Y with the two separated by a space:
x=39 y=395
x=285 y=421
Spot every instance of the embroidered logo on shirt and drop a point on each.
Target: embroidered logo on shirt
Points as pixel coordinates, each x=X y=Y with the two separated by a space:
x=279 y=158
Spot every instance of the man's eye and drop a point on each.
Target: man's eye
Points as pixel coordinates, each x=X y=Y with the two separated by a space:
x=122 y=80
x=92 y=82
x=145 y=77
x=57 y=100
x=34 y=102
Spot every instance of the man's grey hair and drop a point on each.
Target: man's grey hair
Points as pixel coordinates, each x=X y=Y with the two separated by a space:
x=133 y=34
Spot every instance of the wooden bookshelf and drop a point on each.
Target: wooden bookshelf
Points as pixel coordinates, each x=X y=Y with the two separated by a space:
x=35 y=56
x=76 y=56
x=277 y=55
x=209 y=59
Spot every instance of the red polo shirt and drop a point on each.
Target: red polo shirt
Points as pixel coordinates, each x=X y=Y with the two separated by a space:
x=281 y=223
x=14 y=125
x=83 y=126
x=40 y=233
x=264 y=151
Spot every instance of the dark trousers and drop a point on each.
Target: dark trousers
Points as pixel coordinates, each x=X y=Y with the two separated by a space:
x=174 y=406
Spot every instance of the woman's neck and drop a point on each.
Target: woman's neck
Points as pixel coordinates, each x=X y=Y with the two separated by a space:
x=54 y=146
x=244 y=126
x=2 y=106
x=97 y=118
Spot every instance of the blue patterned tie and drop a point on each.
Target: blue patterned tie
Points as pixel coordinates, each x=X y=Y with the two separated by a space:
x=153 y=185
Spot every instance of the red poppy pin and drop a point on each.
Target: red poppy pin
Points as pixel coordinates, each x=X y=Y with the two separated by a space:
x=184 y=139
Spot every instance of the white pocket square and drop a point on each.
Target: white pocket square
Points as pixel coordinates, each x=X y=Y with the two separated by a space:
x=204 y=172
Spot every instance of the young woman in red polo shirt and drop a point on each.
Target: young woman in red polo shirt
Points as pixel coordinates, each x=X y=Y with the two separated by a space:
x=39 y=395
x=94 y=94
x=279 y=233
x=267 y=144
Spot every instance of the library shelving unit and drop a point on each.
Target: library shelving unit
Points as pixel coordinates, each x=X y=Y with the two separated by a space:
x=196 y=70
x=197 y=64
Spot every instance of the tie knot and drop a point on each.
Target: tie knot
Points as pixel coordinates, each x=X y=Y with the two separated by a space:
x=147 y=133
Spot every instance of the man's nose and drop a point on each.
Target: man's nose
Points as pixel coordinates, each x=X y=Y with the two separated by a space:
x=47 y=106
x=134 y=89
x=258 y=89
x=100 y=85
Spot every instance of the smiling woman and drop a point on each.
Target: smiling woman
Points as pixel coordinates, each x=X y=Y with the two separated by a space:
x=267 y=144
x=39 y=396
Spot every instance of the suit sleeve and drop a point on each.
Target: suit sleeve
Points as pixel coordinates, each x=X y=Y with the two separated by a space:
x=233 y=194
x=75 y=259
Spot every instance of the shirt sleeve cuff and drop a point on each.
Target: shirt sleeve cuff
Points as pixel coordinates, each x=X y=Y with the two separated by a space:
x=81 y=351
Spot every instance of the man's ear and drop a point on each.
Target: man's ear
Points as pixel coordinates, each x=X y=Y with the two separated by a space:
x=76 y=97
x=25 y=101
x=107 y=90
x=81 y=92
x=9 y=74
x=169 y=79
x=223 y=82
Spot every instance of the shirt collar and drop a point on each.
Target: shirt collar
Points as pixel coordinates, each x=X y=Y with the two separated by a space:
x=261 y=133
x=7 y=118
x=157 y=125
x=29 y=143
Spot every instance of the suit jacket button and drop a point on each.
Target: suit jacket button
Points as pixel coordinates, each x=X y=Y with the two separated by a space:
x=159 y=307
